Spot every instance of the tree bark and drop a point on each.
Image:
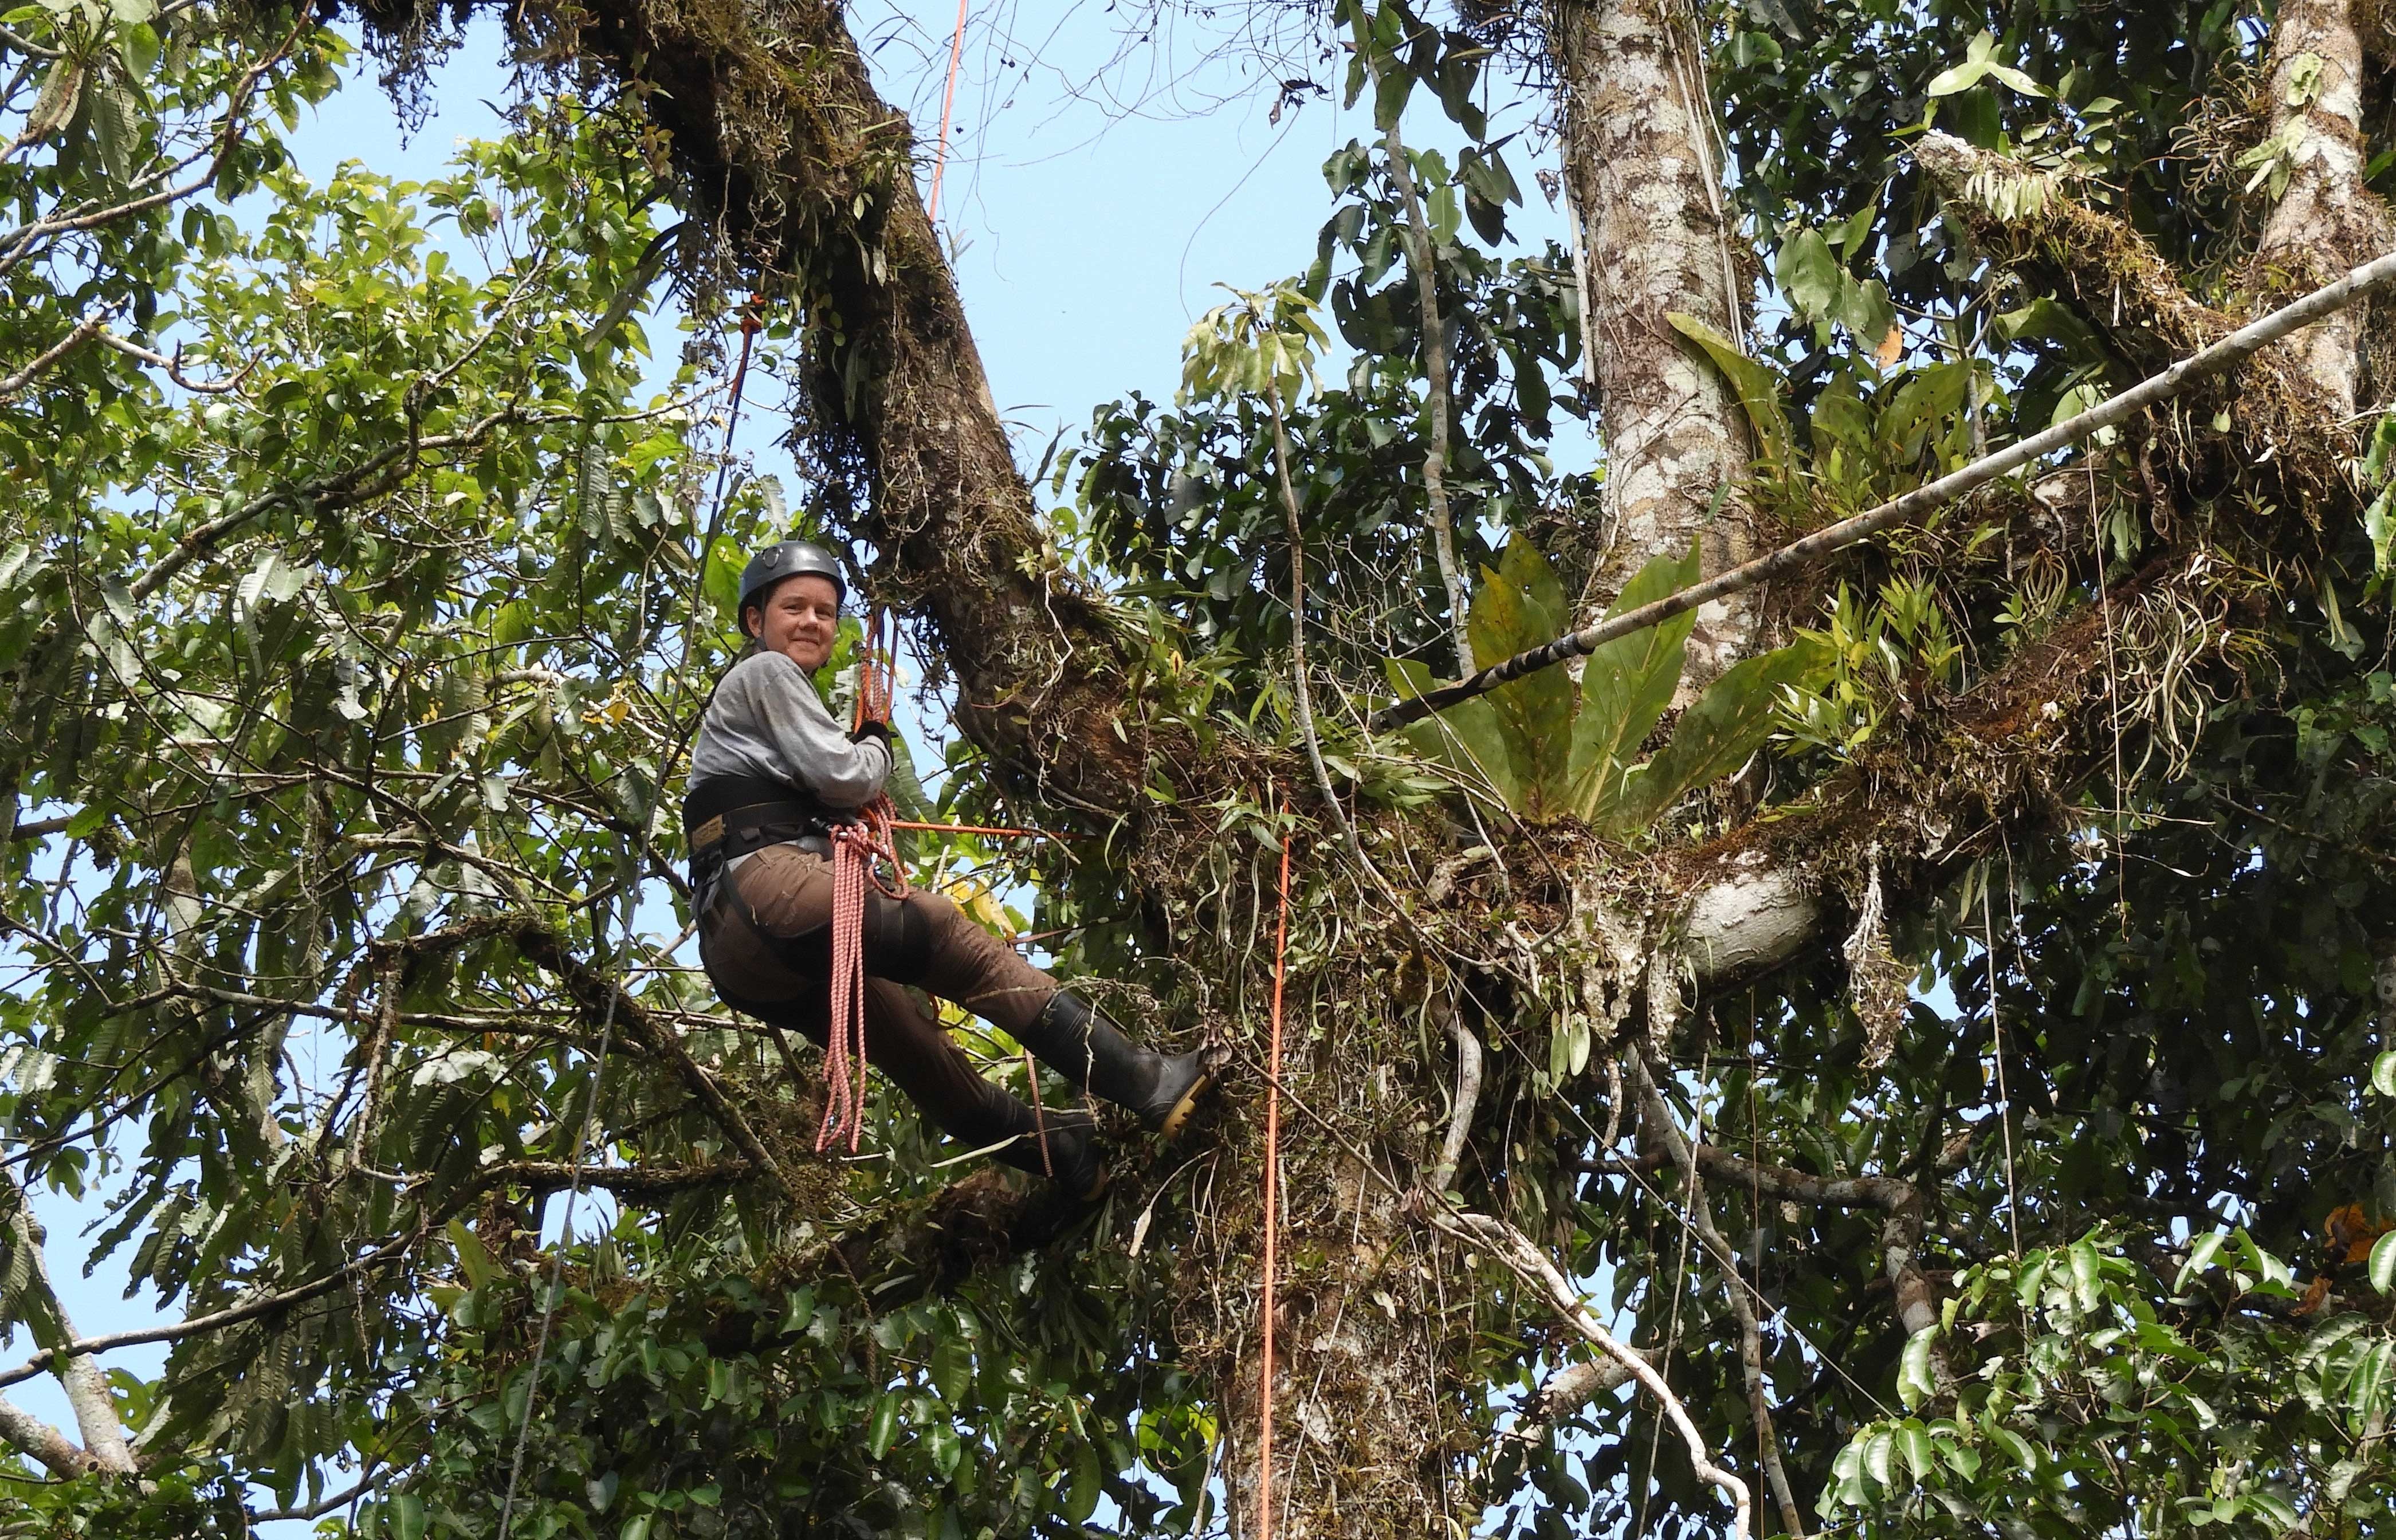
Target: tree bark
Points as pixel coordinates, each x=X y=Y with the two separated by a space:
x=2325 y=218
x=1638 y=147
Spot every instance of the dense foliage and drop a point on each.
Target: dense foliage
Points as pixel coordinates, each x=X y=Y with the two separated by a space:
x=367 y=568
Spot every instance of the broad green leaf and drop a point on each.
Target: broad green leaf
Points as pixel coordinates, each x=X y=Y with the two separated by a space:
x=1921 y=1457
x=2087 y=1274
x=473 y=1258
x=2025 y=1454
x=953 y=1370
x=1718 y=732
x=1879 y=1460
x=885 y=1425
x=2367 y=1388
x=1809 y=273
x=1757 y=386
x=2383 y=1073
x=2200 y=1257
x=1625 y=686
x=2383 y=1263
x=1916 y=1380
x=1521 y=606
x=1080 y=1495
x=1467 y=737
x=1960 y=77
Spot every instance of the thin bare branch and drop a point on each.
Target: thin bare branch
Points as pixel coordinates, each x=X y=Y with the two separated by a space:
x=1751 y=1335
x=83 y=331
x=1421 y=258
x=1531 y=1265
x=31 y=1434
x=174 y=367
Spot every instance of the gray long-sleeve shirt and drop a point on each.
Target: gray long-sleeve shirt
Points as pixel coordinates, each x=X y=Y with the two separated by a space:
x=768 y=719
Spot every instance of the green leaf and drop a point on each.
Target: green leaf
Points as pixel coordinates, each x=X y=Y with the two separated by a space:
x=1921 y=1457
x=2367 y=1388
x=1809 y=274
x=953 y=1370
x=2200 y=1257
x=1916 y=1380
x=2087 y=1274
x=884 y=1425
x=1879 y=1460
x=1758 y=387
x=1520 y=606
x=114 y=129
x=1467 y=737
x=2383 y=1263
x=1081 y=1495
x=472 y=1256
x=1960 y=77
x=1718 y=732
x=1626 y=686
x=140 y=49
x=2383 y=1073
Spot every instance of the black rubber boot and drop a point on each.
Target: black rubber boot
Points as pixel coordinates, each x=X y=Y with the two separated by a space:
x=1067 y=1153
x=1076 y=1040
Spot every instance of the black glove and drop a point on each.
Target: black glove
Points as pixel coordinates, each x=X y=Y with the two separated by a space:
x=879 y=731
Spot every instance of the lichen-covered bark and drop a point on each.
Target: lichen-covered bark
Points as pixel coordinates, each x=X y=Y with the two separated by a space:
x=1639 y=148
x=2325 y=220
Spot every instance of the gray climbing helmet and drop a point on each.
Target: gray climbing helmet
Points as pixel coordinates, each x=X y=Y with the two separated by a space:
x=789 y=559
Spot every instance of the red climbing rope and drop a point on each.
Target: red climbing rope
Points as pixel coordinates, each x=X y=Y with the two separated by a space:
x=948 y=104
x=856 y=849
x=1273 y=1194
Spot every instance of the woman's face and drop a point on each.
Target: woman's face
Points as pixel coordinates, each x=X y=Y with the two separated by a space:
x=799 y=620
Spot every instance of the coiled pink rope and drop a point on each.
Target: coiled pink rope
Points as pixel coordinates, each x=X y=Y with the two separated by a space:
x=854 y=849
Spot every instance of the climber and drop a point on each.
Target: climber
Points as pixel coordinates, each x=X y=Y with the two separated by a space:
x=771 y=772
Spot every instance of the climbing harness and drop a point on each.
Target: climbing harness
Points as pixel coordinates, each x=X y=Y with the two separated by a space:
x=1273 y=1186
x=573 y=1191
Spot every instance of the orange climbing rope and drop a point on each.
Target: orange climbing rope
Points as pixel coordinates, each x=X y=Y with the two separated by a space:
x=948 y=105
x=1273 y=1194
x=859 y=849
x=856 y=849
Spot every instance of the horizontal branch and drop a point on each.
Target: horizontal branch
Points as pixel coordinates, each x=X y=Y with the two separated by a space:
x=2222 y=356
x=623 y=1181
x=83 y=332
x=23 y=1430
x=1565 y=1392
x=233 y=1315
x=543 y=947
x=1900 y=1239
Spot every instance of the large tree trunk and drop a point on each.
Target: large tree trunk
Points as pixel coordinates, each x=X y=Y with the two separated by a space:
x=2325 y=220
x=1638 y=147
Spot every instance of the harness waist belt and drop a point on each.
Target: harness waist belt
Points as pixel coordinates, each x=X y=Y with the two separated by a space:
x=727 y=818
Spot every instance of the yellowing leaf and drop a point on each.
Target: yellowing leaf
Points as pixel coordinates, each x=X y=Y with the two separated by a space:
x=1758 y=387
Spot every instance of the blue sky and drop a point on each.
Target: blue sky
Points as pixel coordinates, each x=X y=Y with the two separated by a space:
x=1108 y=165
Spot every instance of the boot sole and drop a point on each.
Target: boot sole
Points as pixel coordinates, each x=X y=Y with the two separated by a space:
x=1171 y=1122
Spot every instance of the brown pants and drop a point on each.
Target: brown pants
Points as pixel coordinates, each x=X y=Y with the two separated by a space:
x=775 y=962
